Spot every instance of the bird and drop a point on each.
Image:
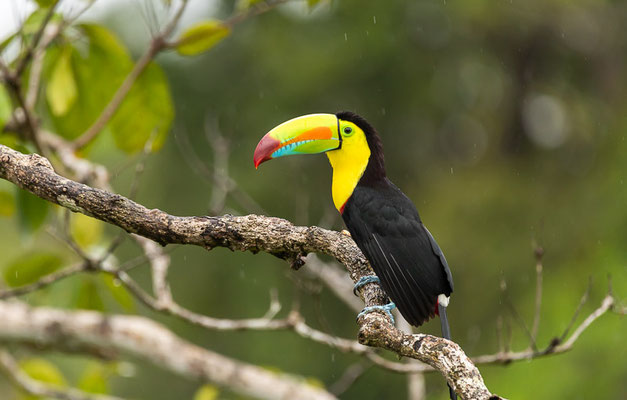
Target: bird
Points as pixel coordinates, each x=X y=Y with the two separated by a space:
x=384 y=223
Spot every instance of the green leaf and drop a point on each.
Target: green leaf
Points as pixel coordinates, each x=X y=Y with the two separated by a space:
x=32 y=211
x=7 y=204
x=45 y=3
x=44 y=371
x=88 y=297
x=6 y=107
x=119 y=292
x=31 y=267
x=207 y=392
x=61 y=91
x=7 y=41
x=94 y=379
x=150 y=99
x=86 y=231
x=201 y=37
x=34 y=21
x=99 y=68
x=98 y=71
x=312 y=3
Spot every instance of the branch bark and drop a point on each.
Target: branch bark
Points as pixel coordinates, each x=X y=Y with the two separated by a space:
x=248 y=233
x=86 y=331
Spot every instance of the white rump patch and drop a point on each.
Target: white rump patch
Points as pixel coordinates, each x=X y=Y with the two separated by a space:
x=443 y=300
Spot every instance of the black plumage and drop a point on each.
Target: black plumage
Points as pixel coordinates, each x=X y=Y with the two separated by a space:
x=387 y=228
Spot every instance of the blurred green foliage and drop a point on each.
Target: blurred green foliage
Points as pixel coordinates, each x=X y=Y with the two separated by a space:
x=505 y=122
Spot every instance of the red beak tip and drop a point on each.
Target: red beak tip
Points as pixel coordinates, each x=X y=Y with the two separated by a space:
x=264 y=150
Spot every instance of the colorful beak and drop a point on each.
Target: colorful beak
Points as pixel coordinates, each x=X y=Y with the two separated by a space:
x=309 y=134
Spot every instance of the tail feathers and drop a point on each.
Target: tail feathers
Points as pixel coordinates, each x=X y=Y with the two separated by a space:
x=446 y=334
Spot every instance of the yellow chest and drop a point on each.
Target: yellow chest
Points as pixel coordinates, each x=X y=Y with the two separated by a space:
x=349 y=164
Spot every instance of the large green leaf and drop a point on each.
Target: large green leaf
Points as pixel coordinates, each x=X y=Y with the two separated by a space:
x=30 y=267
x=61 y=91
x=32 y=211
x=201 y=37
x=146 y=113
x=99 y=65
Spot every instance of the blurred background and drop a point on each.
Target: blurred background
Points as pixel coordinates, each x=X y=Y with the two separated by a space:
x=505 y=122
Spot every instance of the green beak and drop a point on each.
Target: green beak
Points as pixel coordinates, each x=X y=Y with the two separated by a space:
x=309 y=134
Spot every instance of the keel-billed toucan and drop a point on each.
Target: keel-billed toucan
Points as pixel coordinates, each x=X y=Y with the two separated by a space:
x=380 y=218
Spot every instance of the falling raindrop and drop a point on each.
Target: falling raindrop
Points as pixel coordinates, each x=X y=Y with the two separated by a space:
x=374 y=19
x=346 y=36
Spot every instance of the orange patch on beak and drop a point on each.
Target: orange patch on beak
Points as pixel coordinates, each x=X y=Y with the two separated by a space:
x=321 y=132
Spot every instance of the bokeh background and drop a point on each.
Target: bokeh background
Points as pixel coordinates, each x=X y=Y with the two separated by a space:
x=505 y=122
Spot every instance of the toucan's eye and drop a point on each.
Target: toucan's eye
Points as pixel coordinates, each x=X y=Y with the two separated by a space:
x=348 y=131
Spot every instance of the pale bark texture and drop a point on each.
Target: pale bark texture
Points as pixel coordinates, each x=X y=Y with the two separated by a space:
x=253 y=233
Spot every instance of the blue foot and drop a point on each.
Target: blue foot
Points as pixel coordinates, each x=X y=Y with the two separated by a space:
x=387 y=308
x=363 y=281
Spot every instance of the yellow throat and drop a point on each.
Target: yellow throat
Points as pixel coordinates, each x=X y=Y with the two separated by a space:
x=349 y=163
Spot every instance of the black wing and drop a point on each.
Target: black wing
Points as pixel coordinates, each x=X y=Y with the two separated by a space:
x=387 y=228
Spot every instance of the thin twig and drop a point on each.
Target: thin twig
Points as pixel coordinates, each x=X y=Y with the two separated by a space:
x=243 y=199
x=43 y=282
x=539 y=252
x=23 y=62
x=556 y=346
x=519 y=319
x=582 y=302
x=220 y=146
x=348 y=378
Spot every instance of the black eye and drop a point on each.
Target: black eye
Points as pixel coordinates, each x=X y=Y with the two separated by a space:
x=348 y=130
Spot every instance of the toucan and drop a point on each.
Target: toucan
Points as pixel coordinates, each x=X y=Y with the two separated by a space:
x=381 y=219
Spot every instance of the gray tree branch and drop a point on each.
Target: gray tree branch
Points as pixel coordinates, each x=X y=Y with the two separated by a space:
x=141 y=337
x=247 y=233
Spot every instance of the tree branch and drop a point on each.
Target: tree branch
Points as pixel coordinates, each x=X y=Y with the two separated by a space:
x=143 y=338
x=247 y=233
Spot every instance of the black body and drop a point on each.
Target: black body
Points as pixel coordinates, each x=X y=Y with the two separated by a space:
x=387 y=228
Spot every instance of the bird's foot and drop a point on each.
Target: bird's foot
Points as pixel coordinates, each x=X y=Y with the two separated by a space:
x=364 y=280
x=387 y=308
